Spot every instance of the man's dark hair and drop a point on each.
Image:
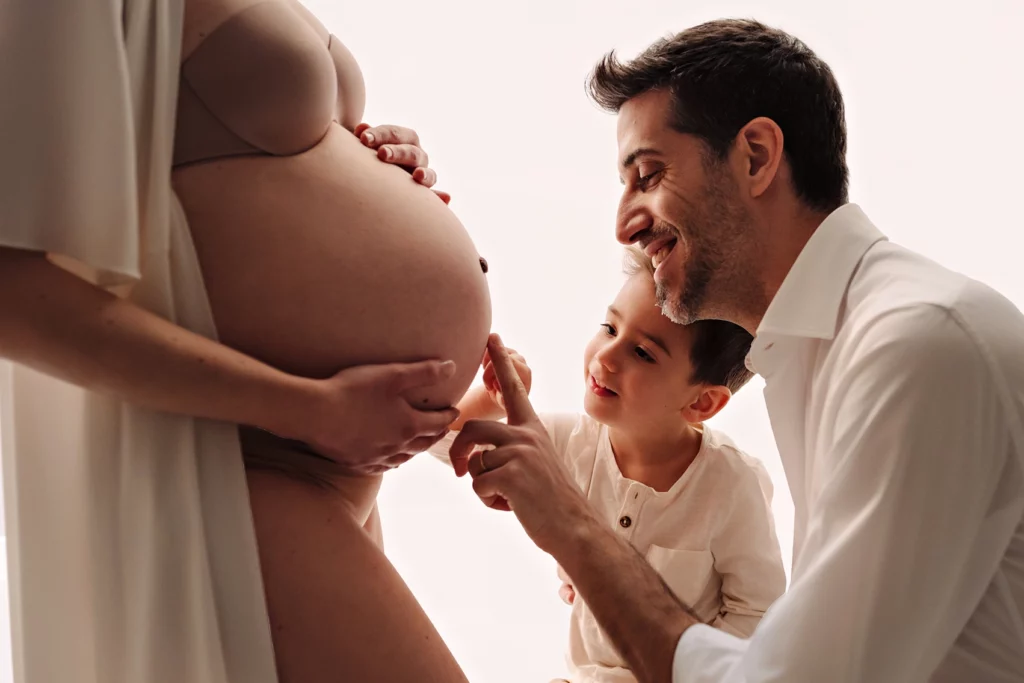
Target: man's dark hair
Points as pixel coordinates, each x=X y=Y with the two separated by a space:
x=725 y=73
x=718 y=349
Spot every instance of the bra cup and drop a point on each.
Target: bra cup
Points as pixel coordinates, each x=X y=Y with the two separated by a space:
x=263 y=82
x=351 y=97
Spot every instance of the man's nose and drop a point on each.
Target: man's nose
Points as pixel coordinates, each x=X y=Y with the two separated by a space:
x=630 y=222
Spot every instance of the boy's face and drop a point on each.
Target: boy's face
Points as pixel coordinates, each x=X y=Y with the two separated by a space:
x=637 y=367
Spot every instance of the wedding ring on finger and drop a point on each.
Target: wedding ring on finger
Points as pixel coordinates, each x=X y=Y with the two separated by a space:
x=483 y=454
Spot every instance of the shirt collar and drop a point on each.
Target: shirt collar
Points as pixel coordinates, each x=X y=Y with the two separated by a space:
x=808 y=302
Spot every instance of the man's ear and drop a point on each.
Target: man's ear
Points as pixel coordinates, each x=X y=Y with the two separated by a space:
x=759 y=150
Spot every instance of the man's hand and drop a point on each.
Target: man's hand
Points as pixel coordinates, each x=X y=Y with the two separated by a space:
x=401 y=146
x=629 y=599
x=522 y=473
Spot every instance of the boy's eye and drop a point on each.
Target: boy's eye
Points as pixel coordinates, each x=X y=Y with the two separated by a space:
x=609 y=329
x=644 y=355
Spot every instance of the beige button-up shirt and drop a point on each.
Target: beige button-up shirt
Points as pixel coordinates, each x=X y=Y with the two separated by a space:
x=711 y=536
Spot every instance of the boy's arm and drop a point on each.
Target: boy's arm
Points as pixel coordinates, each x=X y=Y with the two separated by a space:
x=477 y=404
x=747 y=556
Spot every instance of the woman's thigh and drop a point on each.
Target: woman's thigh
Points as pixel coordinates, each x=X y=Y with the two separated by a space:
x=338 y=609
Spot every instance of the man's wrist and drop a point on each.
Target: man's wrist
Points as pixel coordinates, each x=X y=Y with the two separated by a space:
x=579 y=534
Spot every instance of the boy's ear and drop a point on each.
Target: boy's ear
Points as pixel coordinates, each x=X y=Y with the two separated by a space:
x=708 y=403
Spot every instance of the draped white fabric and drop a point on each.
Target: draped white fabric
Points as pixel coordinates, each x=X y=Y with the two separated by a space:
x=131 y=552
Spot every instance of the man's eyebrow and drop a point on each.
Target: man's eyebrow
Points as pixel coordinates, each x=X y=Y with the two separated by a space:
x=637 y=153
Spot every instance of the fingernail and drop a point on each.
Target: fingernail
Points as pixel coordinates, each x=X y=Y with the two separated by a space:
x=368 y=137
x=448 y=368
x=388 y=153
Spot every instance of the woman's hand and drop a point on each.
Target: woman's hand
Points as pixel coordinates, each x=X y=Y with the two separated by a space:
x=401 y=146
x=362 y=419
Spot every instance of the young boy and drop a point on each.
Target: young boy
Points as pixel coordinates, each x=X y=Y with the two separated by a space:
x=692 y=503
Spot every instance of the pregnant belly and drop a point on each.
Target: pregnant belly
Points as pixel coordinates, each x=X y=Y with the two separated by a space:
x=331 y=258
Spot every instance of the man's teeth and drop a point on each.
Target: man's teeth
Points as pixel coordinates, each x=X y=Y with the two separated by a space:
x=661 y=255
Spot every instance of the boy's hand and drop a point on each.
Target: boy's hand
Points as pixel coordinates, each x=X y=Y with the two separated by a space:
x=491 y=379
x=485 y=402
x=566 y=591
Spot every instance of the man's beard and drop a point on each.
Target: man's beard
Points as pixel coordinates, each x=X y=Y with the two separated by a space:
x=710 y=234
x=685 y=305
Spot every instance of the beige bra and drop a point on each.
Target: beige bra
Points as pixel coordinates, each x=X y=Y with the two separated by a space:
x=263 y=82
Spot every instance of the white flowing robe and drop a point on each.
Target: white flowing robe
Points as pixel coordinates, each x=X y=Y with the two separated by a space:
x=131 y=550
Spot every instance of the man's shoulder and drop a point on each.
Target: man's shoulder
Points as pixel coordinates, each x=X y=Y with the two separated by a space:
x=892 y=278
x=902 y=300
x=911 y=326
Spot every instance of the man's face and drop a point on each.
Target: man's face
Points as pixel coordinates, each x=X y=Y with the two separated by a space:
x=683 y=207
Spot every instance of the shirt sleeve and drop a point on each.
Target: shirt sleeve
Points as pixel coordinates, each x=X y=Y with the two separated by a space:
x=747 y=554
x=440 y=449
x=902 y=494
x=68 y=183
x=558 y=427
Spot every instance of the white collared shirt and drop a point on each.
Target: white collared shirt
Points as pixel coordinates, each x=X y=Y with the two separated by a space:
x=896 y=393
x=711 y=536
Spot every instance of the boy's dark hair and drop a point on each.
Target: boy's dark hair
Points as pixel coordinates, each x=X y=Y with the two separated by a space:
x=725 y=73
x=718 y=349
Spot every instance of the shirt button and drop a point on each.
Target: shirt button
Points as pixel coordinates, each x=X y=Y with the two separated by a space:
x=625 y=521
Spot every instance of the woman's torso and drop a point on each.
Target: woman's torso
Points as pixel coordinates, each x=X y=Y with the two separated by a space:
x=318 y=256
